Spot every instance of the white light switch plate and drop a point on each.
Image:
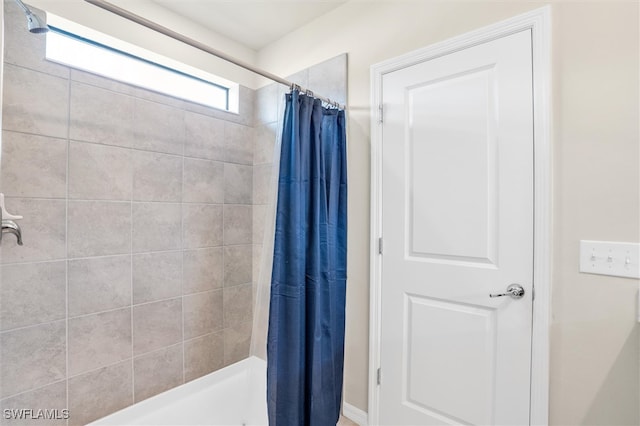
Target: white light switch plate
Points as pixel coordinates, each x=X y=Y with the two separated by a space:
x=610 y=258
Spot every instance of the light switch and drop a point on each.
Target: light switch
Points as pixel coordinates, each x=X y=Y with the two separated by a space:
x=610 y=258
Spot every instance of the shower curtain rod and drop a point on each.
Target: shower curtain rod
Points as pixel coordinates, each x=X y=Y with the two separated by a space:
x=194 y=43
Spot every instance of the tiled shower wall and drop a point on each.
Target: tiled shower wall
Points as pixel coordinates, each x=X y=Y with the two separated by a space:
x=135 y=275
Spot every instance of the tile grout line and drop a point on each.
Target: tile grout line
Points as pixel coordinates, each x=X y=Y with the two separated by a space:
x=144 y=253
x=66 y=243
x=253 y=251
x=224 y=251
x=182 y=241
x=132 y=149
x=103 y=367
x=121 y=201
x=34 y=389
x=120 y=308
x=133 y=380
x=170 y=101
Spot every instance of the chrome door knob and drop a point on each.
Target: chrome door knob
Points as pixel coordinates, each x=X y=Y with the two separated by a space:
x=515 y=291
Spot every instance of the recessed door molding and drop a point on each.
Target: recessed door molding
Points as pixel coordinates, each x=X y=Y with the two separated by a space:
x=539 y=22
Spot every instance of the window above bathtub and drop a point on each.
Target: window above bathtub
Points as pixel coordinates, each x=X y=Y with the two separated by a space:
x=79 y=47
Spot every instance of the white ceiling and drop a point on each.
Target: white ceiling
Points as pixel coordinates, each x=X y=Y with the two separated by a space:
x=253 y=23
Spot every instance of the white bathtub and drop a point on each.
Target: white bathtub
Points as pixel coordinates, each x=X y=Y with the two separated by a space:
x=234 y=395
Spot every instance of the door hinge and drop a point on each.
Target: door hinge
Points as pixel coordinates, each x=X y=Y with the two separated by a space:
x=378 y=376
x=380 y=113
x=380 y=245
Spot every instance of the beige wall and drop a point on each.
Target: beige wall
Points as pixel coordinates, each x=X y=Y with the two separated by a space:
x=594 y=357
x=594 y=354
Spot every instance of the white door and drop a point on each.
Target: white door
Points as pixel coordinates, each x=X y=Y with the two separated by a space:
x=457 y=225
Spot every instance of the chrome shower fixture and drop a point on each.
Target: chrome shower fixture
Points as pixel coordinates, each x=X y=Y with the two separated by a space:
x=35 y=25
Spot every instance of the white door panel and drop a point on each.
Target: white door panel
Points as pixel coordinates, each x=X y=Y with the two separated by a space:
x=457 y=223
x=464 y=157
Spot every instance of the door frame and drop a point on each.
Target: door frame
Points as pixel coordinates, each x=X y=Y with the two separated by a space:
x=539 y=21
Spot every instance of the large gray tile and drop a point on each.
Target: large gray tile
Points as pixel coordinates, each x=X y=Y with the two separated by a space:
x=266 y=105
x=260 y=213
x=264 y=268
x=192 y=107
x=203 y=181
x=33 y=166
x=237 y=342
x=158 y=127
x=48 y=116
x=202 y=313
x=159 y=98
x=24 y=49
x=238 y=141
x=256 y=297
x=99 y=172
x=238 y=184
x=157 y=276
x=98 y=393
x=98 y=228
x=99 y=340
x=265 y=143
x=102 y=82
x=257 y=262
x=238 y=223
x=238 y=304
x=204 y=136
x=32 y=293
x=246 y=113
x=203 y=270
x=102 y=116
x=261 y=320
x=202 y=225
x=263 y=184
x=43 y=231
x=157 y=177
x=32 y=357
x=156 y=325
x=51 y=397
x=237 y=265
x=99 y=284
x=157 y=372
x=156 y=226
x=203 y=355
x=329 y=78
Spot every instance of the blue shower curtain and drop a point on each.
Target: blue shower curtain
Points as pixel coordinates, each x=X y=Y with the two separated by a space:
x=305 y=344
